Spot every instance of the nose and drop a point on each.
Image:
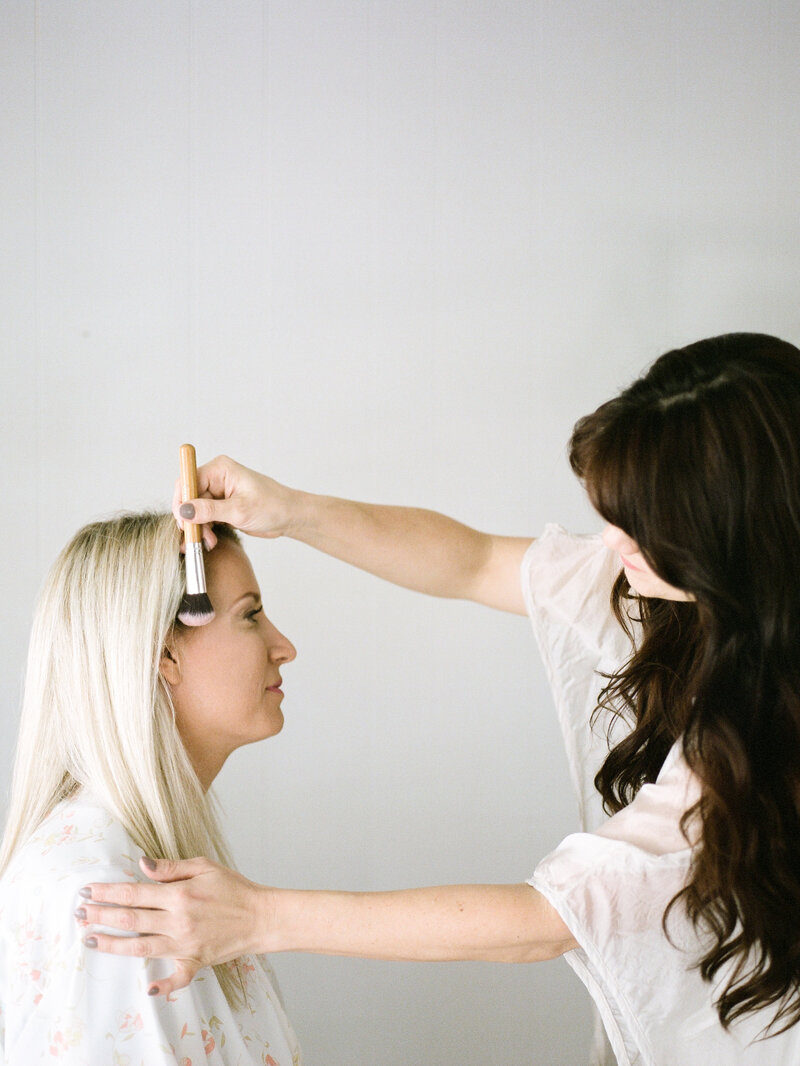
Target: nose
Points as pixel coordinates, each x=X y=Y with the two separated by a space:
x=618 y=541
x=281 y=649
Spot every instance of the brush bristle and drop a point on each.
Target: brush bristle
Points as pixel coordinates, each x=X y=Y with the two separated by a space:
x=196 y=609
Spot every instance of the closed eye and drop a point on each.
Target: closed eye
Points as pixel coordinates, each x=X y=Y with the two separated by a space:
x=256 y=610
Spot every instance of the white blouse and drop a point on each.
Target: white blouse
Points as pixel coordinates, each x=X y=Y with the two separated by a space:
x=64 y=1003
x=611 y=883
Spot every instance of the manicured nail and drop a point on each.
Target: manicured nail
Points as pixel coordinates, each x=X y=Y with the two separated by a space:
x=86 y=893
x=153 y=991
x=91 y=942
x=187 y=510
x=148 y=863
x=80 y=914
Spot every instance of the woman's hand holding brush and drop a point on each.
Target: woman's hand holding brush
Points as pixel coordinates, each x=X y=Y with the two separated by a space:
x=231 y=493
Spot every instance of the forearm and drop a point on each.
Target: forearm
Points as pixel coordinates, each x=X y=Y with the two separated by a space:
x=499 y=923
x=418 y=549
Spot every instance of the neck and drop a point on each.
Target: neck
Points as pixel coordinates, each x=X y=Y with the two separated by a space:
x=206 y=766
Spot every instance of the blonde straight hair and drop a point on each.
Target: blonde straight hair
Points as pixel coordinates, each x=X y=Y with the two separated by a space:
x=96 y=711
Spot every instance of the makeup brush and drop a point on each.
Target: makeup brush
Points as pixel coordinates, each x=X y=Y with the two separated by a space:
x=196 y=609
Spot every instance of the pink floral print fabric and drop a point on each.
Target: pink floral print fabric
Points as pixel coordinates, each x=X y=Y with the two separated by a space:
x=64 y=1004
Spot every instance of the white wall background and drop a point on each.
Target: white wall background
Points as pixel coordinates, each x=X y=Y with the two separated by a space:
x=388 y=250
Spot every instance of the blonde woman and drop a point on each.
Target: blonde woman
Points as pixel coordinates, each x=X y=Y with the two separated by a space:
x=127 y=718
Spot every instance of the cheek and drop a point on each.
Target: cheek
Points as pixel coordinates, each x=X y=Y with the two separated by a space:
x=644 y=573
x=639 y=582
x=225 y=672
x=205 y=672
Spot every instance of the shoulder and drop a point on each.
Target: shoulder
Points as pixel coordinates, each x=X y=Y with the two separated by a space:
x=78 y=841
x=79 y=832
x=40 y=939
x=567 y=580
x=51 y=982
x=558 y=556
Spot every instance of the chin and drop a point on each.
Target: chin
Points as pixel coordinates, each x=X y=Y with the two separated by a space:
x=275 y=725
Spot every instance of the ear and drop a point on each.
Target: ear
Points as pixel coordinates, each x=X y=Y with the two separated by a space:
x=170 y=667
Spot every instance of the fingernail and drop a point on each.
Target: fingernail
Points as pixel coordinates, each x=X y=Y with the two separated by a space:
x=149 y=864
x=91 y=942
x=80 y=914
x=153 y=991
x=187 y=510
x=86 y=893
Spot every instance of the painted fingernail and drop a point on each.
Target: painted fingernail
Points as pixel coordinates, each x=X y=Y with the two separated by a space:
x=91 y=942
x=187 y=510
x=80 y=914
x=153 y=991
x=148 y=863
x=85 y=893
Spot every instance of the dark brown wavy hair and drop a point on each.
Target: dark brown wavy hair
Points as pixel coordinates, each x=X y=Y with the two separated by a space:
x=699 y=462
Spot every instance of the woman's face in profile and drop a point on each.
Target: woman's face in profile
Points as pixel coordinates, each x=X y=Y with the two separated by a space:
x=641 y=576
x=225 y=677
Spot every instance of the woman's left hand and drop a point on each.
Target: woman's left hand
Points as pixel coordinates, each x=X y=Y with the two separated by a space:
x=201 y=914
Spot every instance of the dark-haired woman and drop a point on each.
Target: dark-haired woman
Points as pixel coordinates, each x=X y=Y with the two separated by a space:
x=676 y=635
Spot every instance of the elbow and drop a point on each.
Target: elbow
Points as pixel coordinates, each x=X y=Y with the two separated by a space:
x=556 y=948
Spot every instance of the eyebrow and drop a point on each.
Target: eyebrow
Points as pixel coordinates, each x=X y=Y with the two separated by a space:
x=251 y=595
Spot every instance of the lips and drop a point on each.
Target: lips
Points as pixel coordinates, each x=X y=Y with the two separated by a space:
x=629 y=565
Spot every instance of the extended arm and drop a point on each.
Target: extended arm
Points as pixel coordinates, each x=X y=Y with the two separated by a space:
x=490 y=923
x=418 y=549
x=412 y=547
x=210 y=914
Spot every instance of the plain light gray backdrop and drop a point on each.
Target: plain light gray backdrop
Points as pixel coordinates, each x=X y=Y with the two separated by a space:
x=389 y=251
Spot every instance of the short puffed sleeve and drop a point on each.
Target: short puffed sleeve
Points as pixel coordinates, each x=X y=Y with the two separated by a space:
x=612 y=889
x=566 y=582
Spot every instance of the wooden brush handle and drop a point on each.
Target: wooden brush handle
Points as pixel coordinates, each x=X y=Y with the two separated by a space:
x=192 y=532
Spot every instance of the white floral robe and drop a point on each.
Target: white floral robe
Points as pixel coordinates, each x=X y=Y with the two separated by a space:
x=64 y=1003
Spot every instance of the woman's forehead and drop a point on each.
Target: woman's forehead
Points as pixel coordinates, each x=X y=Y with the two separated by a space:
x=229 y=572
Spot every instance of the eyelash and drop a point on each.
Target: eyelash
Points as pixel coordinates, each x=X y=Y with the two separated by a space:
x=252 y=614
